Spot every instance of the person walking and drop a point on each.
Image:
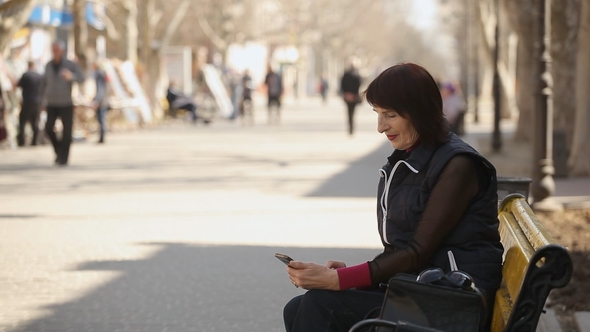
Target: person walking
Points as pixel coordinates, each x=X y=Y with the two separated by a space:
x=30 y=84
x=349 y=88
x=60 y=74
x=323 y=88
x=453 y=107
x=3 y=132
x=99 y=102
x=274 y=84
x=246 y=106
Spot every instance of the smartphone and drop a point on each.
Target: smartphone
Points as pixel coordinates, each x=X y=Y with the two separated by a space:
x=283 y=258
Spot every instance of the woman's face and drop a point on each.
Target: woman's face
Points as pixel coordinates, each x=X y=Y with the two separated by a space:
x=399 y=131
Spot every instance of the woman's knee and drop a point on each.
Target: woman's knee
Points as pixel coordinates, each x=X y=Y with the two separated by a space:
x=290 y=311
x=316 y=300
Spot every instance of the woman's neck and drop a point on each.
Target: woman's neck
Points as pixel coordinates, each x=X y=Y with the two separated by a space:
x=413 y=146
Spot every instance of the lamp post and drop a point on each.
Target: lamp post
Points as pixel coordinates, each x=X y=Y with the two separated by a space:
x=543 y=185
x=496 y=137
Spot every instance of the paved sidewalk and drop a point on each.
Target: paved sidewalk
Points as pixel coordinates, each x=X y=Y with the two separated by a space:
x=174 y=228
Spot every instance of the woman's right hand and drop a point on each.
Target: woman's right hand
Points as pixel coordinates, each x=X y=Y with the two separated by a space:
x=335 y=264
x=312 y=276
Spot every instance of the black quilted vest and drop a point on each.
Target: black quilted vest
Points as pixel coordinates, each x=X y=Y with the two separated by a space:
x=475 y=241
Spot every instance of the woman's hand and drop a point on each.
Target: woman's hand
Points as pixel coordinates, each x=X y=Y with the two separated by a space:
x=313 y=276
x=335 y=264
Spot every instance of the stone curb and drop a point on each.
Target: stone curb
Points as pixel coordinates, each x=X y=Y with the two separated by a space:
x=583 y=321
x=548 y=322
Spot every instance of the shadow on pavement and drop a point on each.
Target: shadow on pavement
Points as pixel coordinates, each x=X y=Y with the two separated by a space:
x=359 y=179
x=20 y=216
x=185 y=287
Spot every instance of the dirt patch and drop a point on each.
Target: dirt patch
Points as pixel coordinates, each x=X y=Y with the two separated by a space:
x=571 y=228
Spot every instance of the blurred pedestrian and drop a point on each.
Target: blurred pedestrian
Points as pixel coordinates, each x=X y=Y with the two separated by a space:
x=453 y=107
x=3 y=131
x=235 y=91
x=349 y=88
x=246 y=110
x=274 y=84
x=99 y=102
x=324 y=88
x=177 y=100
x=60 y=74
x=30 y=84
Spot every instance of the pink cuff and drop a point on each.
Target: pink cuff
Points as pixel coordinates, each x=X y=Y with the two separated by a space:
x=358 y=276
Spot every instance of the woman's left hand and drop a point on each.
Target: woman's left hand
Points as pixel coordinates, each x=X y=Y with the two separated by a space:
x=335 y=264
x=313 y=276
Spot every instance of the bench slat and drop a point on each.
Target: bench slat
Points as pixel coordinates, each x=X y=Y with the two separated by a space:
x=517 y=253
x=529 y=224
x=502 y=309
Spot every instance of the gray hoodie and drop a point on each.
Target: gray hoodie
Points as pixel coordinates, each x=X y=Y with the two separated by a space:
x=57 y=92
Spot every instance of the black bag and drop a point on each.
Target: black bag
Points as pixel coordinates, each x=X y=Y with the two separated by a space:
x=440 y=305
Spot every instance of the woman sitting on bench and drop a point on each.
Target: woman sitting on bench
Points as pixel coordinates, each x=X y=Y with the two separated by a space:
x=178 y=101
x=436 y=193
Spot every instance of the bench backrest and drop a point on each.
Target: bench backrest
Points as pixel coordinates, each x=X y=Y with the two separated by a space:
x=533 y=265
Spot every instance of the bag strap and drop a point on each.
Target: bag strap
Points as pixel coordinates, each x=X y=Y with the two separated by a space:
x=399 y=326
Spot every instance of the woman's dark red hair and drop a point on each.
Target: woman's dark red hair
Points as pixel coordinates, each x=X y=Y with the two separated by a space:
x=409 y=90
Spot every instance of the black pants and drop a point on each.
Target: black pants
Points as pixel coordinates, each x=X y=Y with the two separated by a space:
x=29 y=113
x=324 y=310
x=189 y=107
x=351 y=107
x=101 y=116
x=274 y=102
x=62 y=146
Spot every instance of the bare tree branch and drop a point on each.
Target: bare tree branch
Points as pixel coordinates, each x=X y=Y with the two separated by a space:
x=209 y=32
x=13 y=15
x=171 y=29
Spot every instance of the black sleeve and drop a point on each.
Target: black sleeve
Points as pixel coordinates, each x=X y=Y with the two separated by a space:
x=454 y=190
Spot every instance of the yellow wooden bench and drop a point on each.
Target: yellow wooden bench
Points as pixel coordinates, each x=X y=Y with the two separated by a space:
x=533 y=265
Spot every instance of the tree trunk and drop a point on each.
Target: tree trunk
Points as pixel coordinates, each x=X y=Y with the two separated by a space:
x=80 y=32
x=146 y=31
x=508 y=43
x=128 y=43
x=20 y=10
x=564 y=44
x=463 y=47
x=154 y=57
x=526 y=76
x=579 y=161
x=521 y=17
x=146 y=78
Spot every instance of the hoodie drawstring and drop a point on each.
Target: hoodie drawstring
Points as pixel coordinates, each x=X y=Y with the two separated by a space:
x=385 y=194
